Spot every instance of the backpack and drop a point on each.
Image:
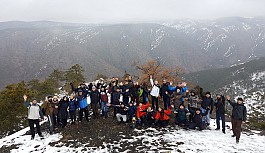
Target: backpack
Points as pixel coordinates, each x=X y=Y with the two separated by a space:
x=141 y=92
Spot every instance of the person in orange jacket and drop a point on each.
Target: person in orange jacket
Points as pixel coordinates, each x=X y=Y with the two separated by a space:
x=141 y=112
x=162 y=117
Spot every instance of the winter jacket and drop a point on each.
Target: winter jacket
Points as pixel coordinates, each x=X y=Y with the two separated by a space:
x=72 y=105
x=163 y=90
x=34 y=111
x=135 y=90
x=141 y=111
x=155 y=89
x=103 y=96
x=62 y=109
x=163 y=115
x=220 y=107
x=193 y=101
x=121 y=110
x=82 y=100
x=182 y=114
x=132 y=110
x=176 y=98
x=94 y=96
x=239 y=111
x=197 y=118
x=207 y=102
x=116 y=96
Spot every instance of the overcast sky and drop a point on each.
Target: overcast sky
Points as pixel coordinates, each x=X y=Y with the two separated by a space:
x=106 y=11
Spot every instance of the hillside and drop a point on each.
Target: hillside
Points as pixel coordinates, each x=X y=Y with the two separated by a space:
x=249 y=74
x=33 y=49
x=98 y=137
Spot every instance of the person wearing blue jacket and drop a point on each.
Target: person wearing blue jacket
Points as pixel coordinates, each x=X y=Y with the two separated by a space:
x=83 y=105
x=72 y=109
x=183 y=88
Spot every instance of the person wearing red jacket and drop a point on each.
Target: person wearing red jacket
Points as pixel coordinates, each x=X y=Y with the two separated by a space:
x=141 y=112
x=162 y=117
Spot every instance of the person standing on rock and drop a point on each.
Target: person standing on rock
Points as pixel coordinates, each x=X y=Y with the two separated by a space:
x=239 y=116
x=34 y=116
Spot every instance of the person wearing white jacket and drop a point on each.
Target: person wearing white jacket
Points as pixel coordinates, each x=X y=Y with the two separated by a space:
x=154 y=93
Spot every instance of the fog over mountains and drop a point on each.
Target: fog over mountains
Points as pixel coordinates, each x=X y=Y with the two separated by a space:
x=33 y=49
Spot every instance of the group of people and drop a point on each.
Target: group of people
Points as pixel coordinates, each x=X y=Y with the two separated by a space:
x=131 y=103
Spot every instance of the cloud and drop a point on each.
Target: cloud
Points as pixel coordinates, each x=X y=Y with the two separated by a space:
x=92 y=11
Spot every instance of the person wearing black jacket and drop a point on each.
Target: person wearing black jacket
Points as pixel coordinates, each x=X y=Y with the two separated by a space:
x=122 y=112
x=197 y=118
x=82 y=87
x=164 y=93
x=239 y=116
x=220 y=112
x=207 y=102
x=95 y=99
x=63 y=110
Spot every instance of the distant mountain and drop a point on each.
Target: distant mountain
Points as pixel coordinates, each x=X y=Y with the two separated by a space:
x=237 y=79
x=33 y=49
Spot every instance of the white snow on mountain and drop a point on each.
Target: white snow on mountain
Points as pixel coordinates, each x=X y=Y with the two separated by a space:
x=165 y=139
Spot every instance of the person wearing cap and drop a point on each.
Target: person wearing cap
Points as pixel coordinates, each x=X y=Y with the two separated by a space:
x=154 y=93
x=220 y=112
x=207 y=102
x=34 y=116
x=239 y=116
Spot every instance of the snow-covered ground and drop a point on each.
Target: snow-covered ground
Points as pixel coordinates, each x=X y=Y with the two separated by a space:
x=148 y=140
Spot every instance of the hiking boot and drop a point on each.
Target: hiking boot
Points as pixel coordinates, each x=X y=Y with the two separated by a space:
x=32 y=138
x=237 y=140
x=223 y=131
x=233 y=135
x=40 y=135
x=217 y=129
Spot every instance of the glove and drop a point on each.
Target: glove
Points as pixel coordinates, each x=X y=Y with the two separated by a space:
x=211 y=111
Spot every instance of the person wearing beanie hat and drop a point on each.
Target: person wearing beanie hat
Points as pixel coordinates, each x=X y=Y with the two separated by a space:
x=34 y=116
x=181 y=116
x=239 y=116
x=207 y=102
x=197 y=118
